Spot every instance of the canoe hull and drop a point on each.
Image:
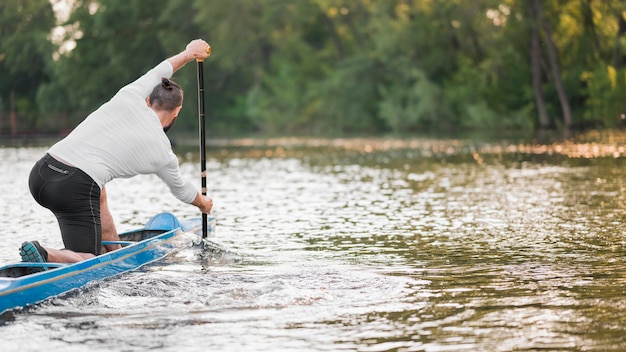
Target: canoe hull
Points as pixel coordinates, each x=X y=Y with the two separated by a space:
x=163 y=235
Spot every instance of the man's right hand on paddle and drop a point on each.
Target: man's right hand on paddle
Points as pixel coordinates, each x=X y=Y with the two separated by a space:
x=203 y=203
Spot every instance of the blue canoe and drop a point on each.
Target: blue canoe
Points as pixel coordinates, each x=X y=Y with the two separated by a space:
x=163 y=234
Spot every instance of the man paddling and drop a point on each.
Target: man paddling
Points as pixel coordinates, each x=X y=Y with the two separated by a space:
x=123 y=138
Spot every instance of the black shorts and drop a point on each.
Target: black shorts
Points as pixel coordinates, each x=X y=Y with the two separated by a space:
x=74 y=198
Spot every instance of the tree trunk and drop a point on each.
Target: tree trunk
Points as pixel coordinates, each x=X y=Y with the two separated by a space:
x=12 y=118
x=554 y=66
x=356 y=31
x=535 y=66
x=618 y=58
x=334 y=36
x=589 y=26
x=1 y=116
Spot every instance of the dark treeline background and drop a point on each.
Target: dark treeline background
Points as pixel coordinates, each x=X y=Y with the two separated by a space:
x=325 y=67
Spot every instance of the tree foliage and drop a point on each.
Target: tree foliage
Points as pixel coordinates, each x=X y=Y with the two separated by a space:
x=333 y=67
x=24 y=47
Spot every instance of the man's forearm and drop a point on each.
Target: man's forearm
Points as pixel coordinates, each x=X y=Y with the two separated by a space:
x=179 y=60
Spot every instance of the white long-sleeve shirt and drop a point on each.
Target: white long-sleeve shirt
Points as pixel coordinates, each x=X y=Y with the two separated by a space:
x=124 y=138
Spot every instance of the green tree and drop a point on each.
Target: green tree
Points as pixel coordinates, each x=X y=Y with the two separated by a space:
x=25 y=52
x=337 y=66
x=115 y=43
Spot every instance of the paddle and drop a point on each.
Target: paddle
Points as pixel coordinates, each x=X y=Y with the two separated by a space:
x=202 y=137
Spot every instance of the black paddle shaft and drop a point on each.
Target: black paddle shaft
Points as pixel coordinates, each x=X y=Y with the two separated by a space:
x=202 y=122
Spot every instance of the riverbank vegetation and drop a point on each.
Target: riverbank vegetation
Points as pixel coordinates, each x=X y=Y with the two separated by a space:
x=325 y=67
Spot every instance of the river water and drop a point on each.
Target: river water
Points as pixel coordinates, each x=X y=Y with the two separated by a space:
x=355 y=245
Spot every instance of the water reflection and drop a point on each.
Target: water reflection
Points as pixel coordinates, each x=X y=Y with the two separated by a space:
x=414 y=245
